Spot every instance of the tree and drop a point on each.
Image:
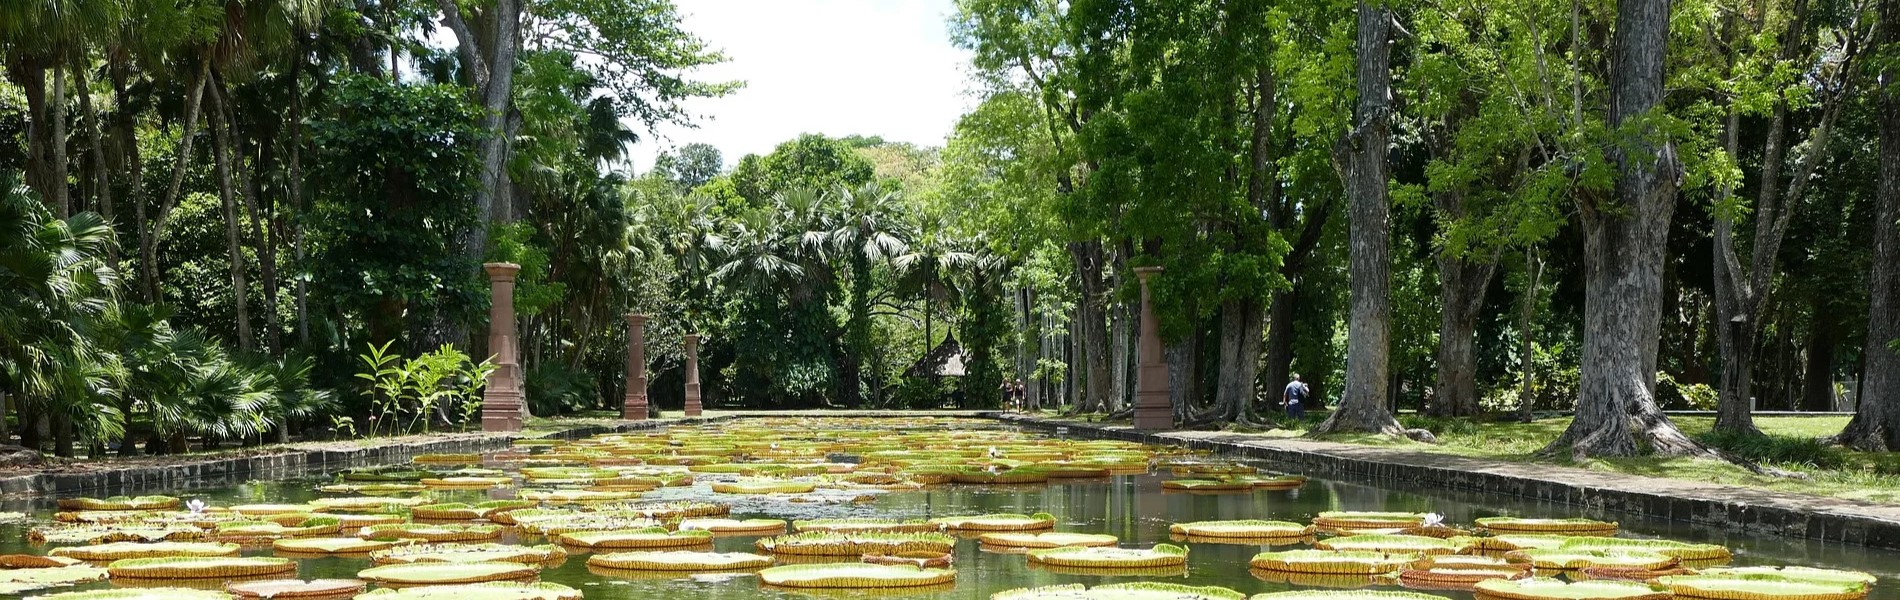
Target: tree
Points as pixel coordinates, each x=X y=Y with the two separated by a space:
x=1743 y=292
x=867 y=235
x=1363 y=154
x=1617 y=413
x=690 y=166
x=1876 y=423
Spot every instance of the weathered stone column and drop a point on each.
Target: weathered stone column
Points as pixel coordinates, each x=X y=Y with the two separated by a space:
x=692 y=375
x=634 y=408
x=1153 y=408
x=502 y=405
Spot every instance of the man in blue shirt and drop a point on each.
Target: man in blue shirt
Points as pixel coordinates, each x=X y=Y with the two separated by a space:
x=1295 y=397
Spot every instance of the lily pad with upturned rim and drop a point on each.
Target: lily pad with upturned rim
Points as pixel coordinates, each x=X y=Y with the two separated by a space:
x=854 y=575
x=445 y=573
x=1120 y=591
x=680 y=561
x=1161 y=555
x=1544 y=588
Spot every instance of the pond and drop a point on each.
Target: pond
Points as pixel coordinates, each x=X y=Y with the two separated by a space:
x=1133 y=506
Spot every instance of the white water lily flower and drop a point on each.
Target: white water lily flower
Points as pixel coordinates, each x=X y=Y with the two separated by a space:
x=1434 y=519
x=195 y=505
x=994 y=453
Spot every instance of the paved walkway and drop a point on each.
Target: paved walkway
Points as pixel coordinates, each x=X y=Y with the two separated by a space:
x=1726 y=506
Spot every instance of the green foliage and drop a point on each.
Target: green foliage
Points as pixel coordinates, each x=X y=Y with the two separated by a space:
x=810 y=162
x=1676 y=395
x=396 y=166
x=443 y=385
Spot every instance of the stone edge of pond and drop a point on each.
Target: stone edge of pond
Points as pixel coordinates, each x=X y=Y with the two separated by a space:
x=1726 y=507
x=216 y=471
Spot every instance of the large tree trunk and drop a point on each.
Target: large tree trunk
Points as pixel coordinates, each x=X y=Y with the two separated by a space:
x=221 y=157
x=1741 y=295
x=1183 y=366
x=1461 y=290
x=1368 y=329
x=1234 y=392
x=1817 y=376
x=1091 y=325
x=1876 y=424
x=149 y=236
x=1280 y=331
x=1625 y=242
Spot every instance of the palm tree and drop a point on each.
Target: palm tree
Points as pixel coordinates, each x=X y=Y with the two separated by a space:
x=55 y=289
x=867 y=232
x=926 y=270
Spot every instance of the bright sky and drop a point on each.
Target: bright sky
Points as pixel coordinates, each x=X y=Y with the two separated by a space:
x=836 y=67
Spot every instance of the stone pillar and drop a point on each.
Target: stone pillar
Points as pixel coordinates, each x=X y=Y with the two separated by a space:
x=502 y=402
x=1153 y=408
x=692 y=375
x=634 y=408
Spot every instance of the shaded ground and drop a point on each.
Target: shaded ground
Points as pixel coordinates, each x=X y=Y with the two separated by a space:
x=1792 y=444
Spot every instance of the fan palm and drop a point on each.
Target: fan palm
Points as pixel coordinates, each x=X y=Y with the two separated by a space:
x=867 y=232
x=927 y=268
x=55 y=288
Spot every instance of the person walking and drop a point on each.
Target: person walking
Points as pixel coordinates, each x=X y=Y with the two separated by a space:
x=1295 y=398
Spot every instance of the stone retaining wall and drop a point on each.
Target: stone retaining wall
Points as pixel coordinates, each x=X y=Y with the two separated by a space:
x=294 y=462
x=1730 y=508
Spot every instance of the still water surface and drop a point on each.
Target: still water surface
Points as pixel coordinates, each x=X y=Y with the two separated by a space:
x=1133 y=507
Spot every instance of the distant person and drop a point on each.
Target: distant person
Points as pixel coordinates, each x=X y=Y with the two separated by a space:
x=1295 y=398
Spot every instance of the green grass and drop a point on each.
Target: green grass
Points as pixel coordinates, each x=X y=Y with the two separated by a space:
x=1791 y=445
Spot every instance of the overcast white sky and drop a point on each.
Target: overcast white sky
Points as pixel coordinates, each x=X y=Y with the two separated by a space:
x=836 y=67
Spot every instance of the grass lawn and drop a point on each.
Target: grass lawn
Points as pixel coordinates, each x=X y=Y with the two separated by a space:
x=1791 y=445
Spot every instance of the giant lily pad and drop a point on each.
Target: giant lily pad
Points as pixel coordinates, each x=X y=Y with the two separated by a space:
x=441 y=573
x=755 y=526
x=1568 y=559
x=1392 y=544
x=998 y=522
x=1368 y=520
x=1543 y=588
x=119 y=550
x=285 y=589
x=1241 y=529
x=367 y=504
x=1761 y=587
x=680 y=561
x=1332 y=562
x=765 y=487
x=854 y=575
x=1344 y=595
x=119 y=503
x=856 y=544
x=1120 y=591
x=1556 y=526
x=1047 y=539
x=652 y=537
x=1795 y=573
x=13 y=581
x=469 y=553
x=477 y=591
x=1682 y=550
x=432 y=533
x=194 y=567
x=332 y=545
x=1161 y=555
x=867 y=525
x=155 y=593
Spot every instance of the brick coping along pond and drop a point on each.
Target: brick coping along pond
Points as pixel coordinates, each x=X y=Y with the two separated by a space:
x=1726 y=507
